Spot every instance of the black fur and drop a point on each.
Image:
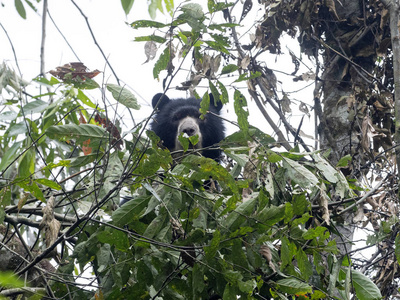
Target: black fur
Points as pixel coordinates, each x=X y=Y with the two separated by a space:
x=171 y=113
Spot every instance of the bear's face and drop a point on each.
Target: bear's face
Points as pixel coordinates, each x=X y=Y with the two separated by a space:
x=182 y=116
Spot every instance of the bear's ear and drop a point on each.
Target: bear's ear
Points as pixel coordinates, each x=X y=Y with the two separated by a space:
x=163 y=101
x=217 y=105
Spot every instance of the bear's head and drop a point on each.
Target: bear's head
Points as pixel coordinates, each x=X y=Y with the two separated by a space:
x=183 y=116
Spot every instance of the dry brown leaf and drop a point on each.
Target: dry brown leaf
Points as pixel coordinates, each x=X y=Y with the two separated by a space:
x=359 y=216
x=304 y=109
x=371 y=201
x=50 y=225
x=150 y=50
x=265 y=252
x=111 y=128
x=245 y=62
x=215 y=64
x=75 y=69
x=323 y=204
x=285 y=104
x=331 y=5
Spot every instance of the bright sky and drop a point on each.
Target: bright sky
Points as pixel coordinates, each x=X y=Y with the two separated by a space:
x=108 y=22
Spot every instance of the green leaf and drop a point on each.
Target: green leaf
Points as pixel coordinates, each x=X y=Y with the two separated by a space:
x=127 y=5
x=397 y=248
x=293 y=286
x=84 y=160
x=299 y=174
x=238 y=216
x=205 y=103
x=169 y=5
x=193 y=15
x=212 y=249
x=344 y=161
x=26 y=165
x=239 y=104
x=20 y=8
x=85 y=99
x=16 y=129
x=248 y=286
x=217 y=46
x=271 y=215
x=230 y=292
x=214 y=7
x=300 y=204
x=147 y=23
x=286 y=252
x=130 y=211
x=229 y=69
x=10 y=155
x=10 y=280
x=33 y=189
x=197 y=279
x=224 y=93
x=81 y=132
x=36 y=106
x=365 y=288
x=61 y=163
x=244 y=77
x=123 y=96
x=222 y=26
x=318 y=231
x=152 y=8
x=114 y=237
x=326 y=169
x=194 y=10
x=49 y=183
x=8 y=116
x=304 y=265
x=103 y=257
x=162 y=63
x=334 y=275
x=156 y=225
x=232 y=276
x=154 y=38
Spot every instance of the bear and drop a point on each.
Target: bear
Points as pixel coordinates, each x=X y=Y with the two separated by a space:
x=183 y=115
x=177 y=116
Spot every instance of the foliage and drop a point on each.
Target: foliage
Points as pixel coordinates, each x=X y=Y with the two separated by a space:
x=257 y=226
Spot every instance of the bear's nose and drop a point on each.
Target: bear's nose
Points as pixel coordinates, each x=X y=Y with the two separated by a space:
x=190 y=131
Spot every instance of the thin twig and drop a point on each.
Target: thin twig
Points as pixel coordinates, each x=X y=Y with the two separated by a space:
x=95 y=41
x=65 y=39
x=363 y=198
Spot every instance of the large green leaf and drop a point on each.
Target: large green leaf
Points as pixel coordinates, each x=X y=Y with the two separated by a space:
x=161 y=63
x=300 y=174
x=293 y=286
x=130 y=211
x=365 y=288
x=80 y=133
x=20 y=8
x=242 y=114
x=127 y=5
x=239 y=215
x=36 y=106
x=10 y=155
x=123 y=96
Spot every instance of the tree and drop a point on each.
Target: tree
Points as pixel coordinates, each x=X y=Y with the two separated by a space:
x=280 y=223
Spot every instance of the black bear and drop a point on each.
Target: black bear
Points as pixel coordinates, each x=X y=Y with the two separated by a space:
x=183 y=116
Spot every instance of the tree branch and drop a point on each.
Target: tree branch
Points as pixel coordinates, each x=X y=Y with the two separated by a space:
x=44 y=14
